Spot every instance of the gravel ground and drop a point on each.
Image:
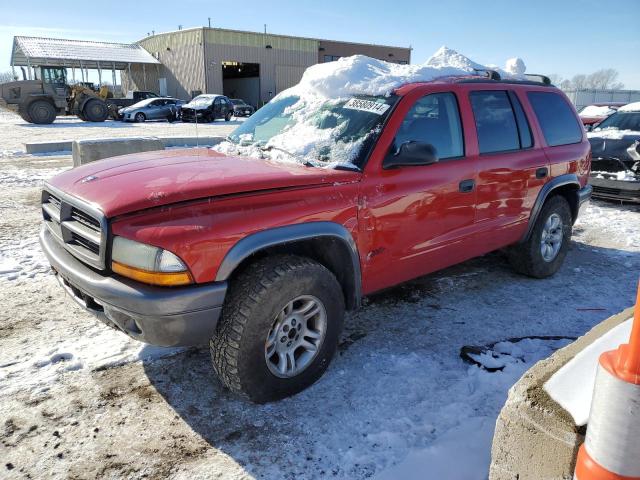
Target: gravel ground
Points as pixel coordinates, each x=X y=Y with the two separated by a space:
x=79 y=400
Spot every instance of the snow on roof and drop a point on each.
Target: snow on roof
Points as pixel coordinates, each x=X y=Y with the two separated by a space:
x=305 y=134
x=631 y=107
x=596 y=111
x=59 y=51
x=361 y=75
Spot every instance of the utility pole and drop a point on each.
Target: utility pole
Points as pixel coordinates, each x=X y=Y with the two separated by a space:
x=209 y=22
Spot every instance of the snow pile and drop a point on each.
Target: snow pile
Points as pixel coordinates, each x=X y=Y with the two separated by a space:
x=611 y=133
x=515 y=66
x=306 y=134
x=596 y=111
x=630 y=107
x=572 y=385
x=22 y=259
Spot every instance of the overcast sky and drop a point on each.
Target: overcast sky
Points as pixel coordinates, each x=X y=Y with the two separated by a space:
x=561 y=36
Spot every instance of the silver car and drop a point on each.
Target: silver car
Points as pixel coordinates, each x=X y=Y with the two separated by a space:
x=164 y=108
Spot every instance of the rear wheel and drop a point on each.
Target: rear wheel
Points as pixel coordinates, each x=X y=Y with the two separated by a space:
x=228 y=116
x=95 y=110
x=41 y=112
x=543 y=254
x=279 y=329
x=140 y=117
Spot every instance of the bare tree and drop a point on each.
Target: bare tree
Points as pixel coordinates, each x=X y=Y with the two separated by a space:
x=6 y=77
x=604 y=79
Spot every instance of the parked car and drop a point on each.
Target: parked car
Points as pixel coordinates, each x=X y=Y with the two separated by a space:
x=207 y=108
x=615 y=146
x=260 y=258
x=116 y=104
x=241 y=108
x=164 y=108
x=593 y=114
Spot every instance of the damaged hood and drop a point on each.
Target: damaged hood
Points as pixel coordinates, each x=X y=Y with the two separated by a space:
x=130 y=183
x=613 y=144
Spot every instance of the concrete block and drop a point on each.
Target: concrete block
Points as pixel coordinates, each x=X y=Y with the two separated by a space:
x=535 y=438
x=190 y=141
x=86 y=151
x=48 y=147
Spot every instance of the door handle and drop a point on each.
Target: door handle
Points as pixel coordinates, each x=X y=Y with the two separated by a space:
x=541 y=172
x=467 y=186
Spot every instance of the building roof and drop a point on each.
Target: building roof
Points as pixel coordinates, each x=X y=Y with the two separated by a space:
x=77 y=53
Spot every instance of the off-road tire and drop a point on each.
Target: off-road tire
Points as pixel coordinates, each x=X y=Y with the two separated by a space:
x=254 y=299
x=140 y=117
x=41 y=112
x=95 y=110
x=526 y=258
x=24 y=114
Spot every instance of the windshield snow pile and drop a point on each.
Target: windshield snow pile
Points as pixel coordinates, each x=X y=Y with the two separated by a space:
x=595 y=111
x=339 y=107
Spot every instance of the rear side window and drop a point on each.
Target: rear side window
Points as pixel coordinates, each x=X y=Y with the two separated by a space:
x=526 y=140
x=495 y=121
x=559 y=124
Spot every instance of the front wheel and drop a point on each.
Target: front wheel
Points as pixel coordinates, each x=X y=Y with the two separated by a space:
x=95 y=110
x=228 y=116
x=543 y=253
x=139 y=117
x=279 y=328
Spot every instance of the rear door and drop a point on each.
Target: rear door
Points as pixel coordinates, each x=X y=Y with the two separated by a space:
x=512 y=167
x=417 y=219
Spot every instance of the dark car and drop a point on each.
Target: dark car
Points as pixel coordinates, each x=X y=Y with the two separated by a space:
x=152 y=109
x=207 y=108
x=615 y=147
x=242 y=108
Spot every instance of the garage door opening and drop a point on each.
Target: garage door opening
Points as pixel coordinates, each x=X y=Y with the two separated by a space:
x=241 y=80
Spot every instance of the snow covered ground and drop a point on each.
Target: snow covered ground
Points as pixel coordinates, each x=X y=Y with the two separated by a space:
x=15 y=132
x=80 y=400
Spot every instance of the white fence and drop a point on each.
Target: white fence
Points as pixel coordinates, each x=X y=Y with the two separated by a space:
x=582 y=98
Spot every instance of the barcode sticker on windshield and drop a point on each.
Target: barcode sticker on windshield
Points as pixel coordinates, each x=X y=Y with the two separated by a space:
x=366 y=106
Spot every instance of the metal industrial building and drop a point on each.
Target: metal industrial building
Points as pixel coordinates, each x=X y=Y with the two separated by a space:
x=248 y=65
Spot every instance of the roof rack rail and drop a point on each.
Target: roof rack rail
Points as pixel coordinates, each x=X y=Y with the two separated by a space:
x=534 y=77
x=492 y=74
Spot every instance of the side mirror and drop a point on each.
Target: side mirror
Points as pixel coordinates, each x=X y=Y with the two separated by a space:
x=411 y=154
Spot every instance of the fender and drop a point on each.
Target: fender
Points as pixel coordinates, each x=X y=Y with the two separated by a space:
x=289 y=234
x=550 y=186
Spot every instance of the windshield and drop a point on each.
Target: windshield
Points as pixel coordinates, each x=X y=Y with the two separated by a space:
x=320 y=132
x=621 y=121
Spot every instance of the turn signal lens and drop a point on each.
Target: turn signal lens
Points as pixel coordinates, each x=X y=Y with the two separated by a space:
x=164 y=279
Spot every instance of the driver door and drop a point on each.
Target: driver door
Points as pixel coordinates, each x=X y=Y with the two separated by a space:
x=417 y=219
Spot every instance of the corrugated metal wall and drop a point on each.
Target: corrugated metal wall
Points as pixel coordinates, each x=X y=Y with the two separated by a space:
x=182 y=57
x=288 y=56
x=582 y=98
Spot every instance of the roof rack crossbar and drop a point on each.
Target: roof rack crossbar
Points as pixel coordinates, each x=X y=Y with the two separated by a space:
x=492 y=74
x=535 y=77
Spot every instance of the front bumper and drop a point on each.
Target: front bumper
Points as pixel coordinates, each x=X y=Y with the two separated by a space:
x=621 y=190
x=157 y=315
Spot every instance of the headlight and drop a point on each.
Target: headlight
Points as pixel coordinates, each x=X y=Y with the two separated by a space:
x=148 y=264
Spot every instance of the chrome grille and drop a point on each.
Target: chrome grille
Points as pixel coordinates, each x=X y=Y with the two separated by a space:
x=78 y=226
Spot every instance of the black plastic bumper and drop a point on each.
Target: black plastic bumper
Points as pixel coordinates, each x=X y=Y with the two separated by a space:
x=626 y=191
x=156 y=315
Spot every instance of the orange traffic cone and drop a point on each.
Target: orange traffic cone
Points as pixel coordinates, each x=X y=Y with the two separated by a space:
x=611 y=450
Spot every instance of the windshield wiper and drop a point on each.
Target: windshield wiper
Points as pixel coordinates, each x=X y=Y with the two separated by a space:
x=302 y=160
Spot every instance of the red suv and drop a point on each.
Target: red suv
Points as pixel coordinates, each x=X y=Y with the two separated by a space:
x=260 y=258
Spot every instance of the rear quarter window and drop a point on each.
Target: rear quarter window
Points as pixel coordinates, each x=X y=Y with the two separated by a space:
x=557 y=121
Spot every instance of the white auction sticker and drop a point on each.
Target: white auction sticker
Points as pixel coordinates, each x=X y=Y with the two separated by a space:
x=366 y=106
